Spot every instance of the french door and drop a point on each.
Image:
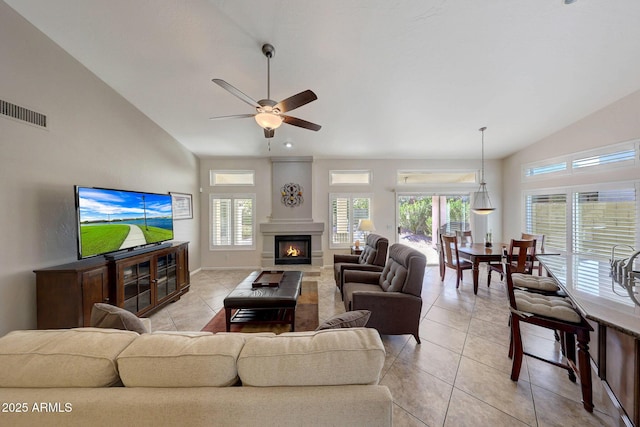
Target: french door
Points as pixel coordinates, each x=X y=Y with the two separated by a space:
x=421 y=217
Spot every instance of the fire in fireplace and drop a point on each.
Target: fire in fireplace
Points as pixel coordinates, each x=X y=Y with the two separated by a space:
x=293 y=249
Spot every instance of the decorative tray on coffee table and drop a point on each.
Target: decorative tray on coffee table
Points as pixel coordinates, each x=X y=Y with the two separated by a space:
x=268 y=278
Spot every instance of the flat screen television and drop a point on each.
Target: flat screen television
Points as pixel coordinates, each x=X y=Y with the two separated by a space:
x=118 y=220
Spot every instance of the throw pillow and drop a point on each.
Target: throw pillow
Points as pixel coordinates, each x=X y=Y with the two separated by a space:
x=350 y=319
x=112 y=317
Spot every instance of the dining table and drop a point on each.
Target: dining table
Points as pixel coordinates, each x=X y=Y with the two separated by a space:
x=478 y=253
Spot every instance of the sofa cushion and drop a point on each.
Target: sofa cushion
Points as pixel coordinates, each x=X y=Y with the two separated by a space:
x=393 y=276
x=404 y=270
x=368 y=255
x=375 y=250
x=112 y=317
x=181 y=360
x=351 y=287
x=328 y=357
x=83 y=357
x=350 y=319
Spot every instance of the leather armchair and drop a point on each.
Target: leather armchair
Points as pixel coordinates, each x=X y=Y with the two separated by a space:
x=372 y=258
x=393 y=295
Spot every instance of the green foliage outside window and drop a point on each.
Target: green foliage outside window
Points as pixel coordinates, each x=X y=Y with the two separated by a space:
x=415 y=215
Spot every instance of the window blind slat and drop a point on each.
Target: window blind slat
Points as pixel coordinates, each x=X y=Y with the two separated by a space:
x=221 y=220
x=232 y=221
x=546 y=214
x=603 y=219
x=346 y=212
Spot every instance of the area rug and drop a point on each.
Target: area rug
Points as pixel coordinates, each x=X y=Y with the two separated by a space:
x=306 y=315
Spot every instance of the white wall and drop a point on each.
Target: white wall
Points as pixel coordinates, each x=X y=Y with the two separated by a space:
x=95 y=138
x=262 y=189
x=618 y=122
x=383 y=189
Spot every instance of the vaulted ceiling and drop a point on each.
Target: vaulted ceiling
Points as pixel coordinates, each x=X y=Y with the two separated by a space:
x=394 y=79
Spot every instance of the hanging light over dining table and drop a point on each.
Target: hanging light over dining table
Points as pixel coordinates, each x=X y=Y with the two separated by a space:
x=482 y=202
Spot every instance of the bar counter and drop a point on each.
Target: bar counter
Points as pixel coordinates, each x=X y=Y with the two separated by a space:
x=615 y=318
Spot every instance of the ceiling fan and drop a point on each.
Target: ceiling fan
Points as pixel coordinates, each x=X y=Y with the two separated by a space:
x=269 y=113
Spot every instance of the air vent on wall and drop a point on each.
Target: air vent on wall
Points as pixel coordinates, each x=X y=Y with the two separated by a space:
x=14 y=111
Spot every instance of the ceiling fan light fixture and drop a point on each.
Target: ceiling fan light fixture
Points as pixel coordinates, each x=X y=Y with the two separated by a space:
x=269 y=113
x=268 y=120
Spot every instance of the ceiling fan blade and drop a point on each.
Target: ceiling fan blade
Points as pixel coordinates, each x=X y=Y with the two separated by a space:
x=235 y=116
x=236 y=92
x=296 y=101
x=301 y=123
x=269 y=133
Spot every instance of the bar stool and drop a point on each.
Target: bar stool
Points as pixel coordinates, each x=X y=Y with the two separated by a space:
x=520 y=257
x=556 y=313
x=539 y=238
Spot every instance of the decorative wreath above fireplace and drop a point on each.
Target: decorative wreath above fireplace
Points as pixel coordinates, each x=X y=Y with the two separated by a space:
x=291 y=194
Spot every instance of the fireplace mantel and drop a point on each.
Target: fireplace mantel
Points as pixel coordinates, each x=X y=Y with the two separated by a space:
x=287 y=220
x=271 y=229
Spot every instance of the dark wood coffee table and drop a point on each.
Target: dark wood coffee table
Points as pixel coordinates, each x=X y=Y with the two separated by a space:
x=267 y=304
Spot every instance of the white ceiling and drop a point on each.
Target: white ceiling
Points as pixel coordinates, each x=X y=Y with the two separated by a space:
x=394 y=78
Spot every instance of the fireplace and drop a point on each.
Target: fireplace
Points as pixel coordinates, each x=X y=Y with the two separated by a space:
x=292 y=249
x=294 y=224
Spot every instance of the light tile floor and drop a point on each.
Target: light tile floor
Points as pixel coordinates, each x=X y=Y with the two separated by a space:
x=459 y=375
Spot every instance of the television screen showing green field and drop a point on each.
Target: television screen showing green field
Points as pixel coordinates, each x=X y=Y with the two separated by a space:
x=115 y=220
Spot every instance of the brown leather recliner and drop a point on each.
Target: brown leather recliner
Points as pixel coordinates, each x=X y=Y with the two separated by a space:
x=372 y=258
x=393 y=296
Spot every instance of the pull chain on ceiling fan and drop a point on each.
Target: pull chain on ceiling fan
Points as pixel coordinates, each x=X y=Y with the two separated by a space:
x=269 y=113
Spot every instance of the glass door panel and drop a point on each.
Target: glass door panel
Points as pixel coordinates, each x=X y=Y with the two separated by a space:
x=423 y=216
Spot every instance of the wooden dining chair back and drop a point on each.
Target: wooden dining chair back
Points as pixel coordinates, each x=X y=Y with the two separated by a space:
x=451 y=257
x=521 y=255
x=464 y=237
x=539 y=238
x=559 y=315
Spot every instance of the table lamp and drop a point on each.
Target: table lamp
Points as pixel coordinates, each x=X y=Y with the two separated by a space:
x=366 y=226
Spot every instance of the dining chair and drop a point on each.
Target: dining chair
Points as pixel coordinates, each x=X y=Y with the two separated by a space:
x=521 y=255
x=451 y=258
x=539 y=238
x=464 y=237
x=559 y=315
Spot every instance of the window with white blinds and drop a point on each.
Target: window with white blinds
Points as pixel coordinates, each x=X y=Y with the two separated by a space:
x=346 y=212
x=618 y=157
x=232 y=221
x=547 y=214
x=585 y=222
x=603 y=219
x=552 y=168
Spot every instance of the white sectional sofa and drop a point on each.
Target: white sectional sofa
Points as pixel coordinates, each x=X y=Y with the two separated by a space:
x=107 y=377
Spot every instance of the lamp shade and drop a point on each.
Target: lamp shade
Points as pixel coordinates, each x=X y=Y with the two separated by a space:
x=481 y=202
x=366 y=225
x=268 y=120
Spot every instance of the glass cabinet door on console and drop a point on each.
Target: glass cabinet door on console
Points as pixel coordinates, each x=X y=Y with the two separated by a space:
x=143 y=283
x=166 y=276
x=136 y=279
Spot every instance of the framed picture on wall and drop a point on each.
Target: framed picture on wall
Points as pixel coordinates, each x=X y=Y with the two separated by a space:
x=182 y=206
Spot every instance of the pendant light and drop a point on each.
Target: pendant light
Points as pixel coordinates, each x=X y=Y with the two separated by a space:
x=482 y=202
